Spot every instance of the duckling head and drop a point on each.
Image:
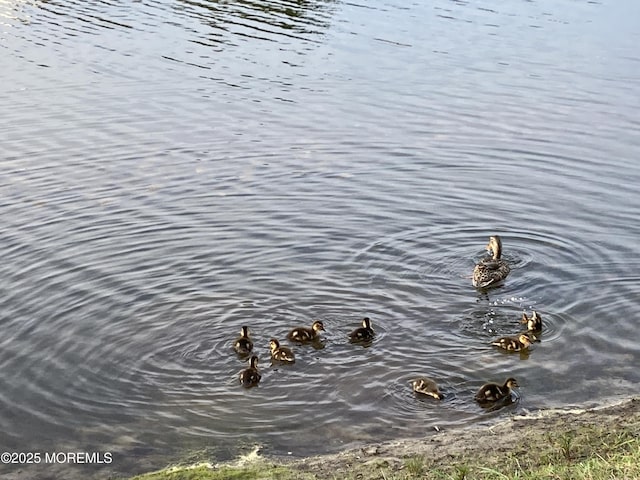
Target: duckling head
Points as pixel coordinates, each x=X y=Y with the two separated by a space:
x=254 y=361
x=534 y=322
x=536 y=318
x=526 y=339
x=511 y=382
x=317 y=326
x=274 y=344
x=366 y=322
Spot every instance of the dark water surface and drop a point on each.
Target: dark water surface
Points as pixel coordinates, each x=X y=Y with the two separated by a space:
x=173 y=170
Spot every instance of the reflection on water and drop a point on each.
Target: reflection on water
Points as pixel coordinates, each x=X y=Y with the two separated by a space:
x=266 y=20
x=171 y=171
x=272 y=20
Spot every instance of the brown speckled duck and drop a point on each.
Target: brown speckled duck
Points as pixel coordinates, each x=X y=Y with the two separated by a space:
x=243 y=345
x=426 y=386
x=304 y=334
x=490 y=271
x=280 y=354
x=534 y=322
x=250 y=377
x=493 y=392
x=364 y=333
x=514 y=344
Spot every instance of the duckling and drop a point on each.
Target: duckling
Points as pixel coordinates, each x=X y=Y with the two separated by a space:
x=249 y=377
x=426 y=386
x=364 y=333
x=514 y=344
x=493 y=392
x=490 y=271
x=303 y=334
x=280 y=354
x=534 y=322
x=243 y=345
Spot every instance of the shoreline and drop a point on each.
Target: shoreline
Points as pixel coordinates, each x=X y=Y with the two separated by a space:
x=465 y=443
x=528 y=439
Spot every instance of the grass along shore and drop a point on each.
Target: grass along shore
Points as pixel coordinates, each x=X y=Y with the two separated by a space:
x=593 y=444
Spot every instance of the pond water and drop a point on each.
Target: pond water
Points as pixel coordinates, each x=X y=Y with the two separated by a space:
x=173 y=170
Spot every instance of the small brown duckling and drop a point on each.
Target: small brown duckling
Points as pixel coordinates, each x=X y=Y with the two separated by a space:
x=250 y=377
x=304 y=334
x=426 y=386
x=493 y=392
x=513 y=344
x=364 y=333
x=534 y=322
x=243 y=345
x=490 y=271
x=280 y=354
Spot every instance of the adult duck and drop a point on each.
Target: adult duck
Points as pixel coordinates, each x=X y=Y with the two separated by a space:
x=490 y=271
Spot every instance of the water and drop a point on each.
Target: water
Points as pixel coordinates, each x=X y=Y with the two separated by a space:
x=171 y=171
